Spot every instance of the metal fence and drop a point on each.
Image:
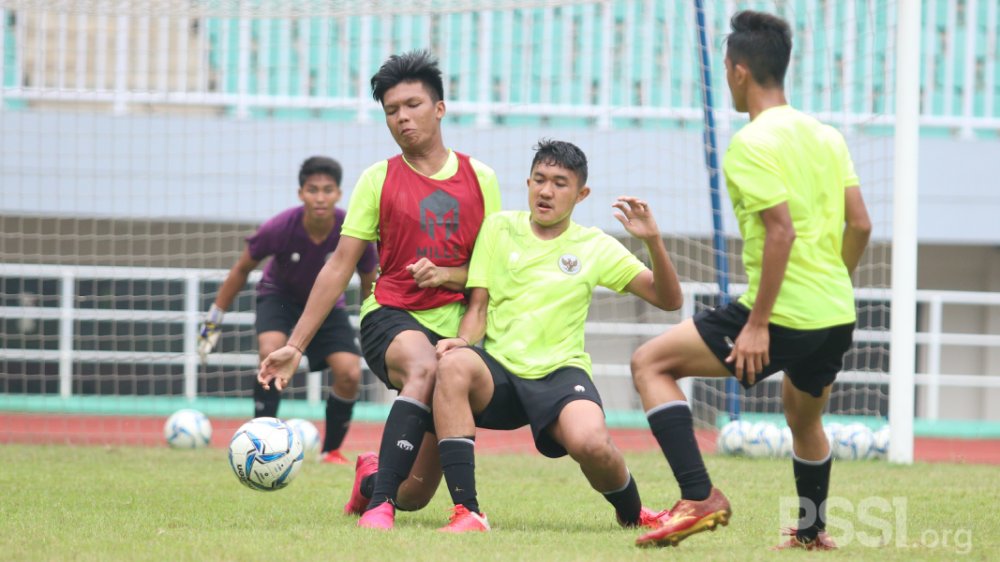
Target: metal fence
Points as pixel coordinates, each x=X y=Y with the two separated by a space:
x=606 y=64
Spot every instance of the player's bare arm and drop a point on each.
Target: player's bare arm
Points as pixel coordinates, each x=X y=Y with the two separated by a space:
x=211 y=328
x=473 y=326
x=331 y=282
x=426 y=274
x=857 y=228
x=750 y=350
x=367 y=282
x=660 y=286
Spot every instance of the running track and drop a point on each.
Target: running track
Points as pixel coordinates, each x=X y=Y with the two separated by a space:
x=148 y=431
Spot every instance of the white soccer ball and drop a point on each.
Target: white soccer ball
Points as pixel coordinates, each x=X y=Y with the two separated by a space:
x=882 y=442
x=730 y=441
x=786 y=444
x=307 y=432
x=854 y=442
x=187 y=429
x=831 y=435
x=265 y=454
x=763 y=441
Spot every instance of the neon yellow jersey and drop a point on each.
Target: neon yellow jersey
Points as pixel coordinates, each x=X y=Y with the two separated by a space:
x=785 y=155
x=540 y=290
x=363 y=219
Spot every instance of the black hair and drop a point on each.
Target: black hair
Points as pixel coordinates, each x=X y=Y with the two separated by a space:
x=414 y=66
x=763 y=43
x=320 y=165
x=564 y=154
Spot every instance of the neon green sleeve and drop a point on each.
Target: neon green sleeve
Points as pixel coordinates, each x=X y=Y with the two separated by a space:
x=753 y=168
x=490 y=186
x=363 y=211
x=618 y=265
x=482 y=254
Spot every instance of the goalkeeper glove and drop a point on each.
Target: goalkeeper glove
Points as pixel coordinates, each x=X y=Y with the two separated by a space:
x=208 y=334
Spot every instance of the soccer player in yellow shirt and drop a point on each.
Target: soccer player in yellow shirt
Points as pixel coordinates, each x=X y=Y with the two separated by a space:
x=804 y=226
x=532 y=276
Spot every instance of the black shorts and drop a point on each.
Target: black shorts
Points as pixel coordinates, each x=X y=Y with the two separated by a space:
x=519 y=402
x=811 y=359
x=378 y=328
x=277 y=313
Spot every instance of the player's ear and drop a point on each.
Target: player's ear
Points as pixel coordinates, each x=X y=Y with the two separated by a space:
x=302 y=196
x=582 y=194
x=439 y=109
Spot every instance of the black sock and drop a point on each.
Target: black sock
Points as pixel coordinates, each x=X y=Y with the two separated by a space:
x=458 y=461
x=338 y=421
x=368 y=485
x=401 y=439
x=812 y=481
x=266 y=401
x=674 y=431
x=626 y=501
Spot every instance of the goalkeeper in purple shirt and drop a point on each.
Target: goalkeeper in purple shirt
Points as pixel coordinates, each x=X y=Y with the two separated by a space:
x=300 y=241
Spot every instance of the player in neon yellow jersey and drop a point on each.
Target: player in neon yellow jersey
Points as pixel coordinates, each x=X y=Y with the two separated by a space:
x=532 y=277
x=805 y=227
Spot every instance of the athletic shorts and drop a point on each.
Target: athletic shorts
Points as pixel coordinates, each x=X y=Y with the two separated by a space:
x=518 y=402
x=378 y=328
x=811 y=359
x=277 y=313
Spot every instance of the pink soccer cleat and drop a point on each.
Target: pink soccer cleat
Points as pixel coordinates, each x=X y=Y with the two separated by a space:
x=464 y=521
x=334 y=457
x=382 y=516
x=367 y=464
x=647 y=518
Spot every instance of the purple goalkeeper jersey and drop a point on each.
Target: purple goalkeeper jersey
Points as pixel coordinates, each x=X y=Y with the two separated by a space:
x=297 y=259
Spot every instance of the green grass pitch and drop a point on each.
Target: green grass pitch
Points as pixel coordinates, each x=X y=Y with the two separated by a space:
x=93 y=503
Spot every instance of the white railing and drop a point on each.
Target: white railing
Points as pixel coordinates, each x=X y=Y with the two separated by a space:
x=493 y=66
x=67 y=314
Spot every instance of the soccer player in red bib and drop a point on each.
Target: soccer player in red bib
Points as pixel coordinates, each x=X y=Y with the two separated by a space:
x=424 y=207
x=299 y=241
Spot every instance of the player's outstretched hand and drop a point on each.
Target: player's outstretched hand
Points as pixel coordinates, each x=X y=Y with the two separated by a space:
x=636 y=217
x=450 y=344
x=426 y=274
x=750 y=352
x=279 y=367
x=209 y=332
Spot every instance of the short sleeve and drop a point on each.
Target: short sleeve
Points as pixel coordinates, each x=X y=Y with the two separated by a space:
x=267 y=240
x=489 y=185
x=482 y=254
x=369 y=259
x=363 y=210
x=618 y=265
x=753 y=169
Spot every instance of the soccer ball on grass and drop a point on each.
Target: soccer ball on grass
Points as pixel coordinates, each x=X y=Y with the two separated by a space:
x=187 y=429
x=265 y=454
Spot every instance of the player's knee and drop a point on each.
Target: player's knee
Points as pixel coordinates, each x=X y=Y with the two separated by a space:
x=421 y=376
x=801 y=424
x=453 y=371
x=413 y=502
x=594 y=449
x=350 y=377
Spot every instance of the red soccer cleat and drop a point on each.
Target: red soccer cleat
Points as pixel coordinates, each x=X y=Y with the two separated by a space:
x=822 y=541
x=367 y=464
x=382 y=516
x=687 y=518
x=464 y=521
x=647 y=518
x=334 y=457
